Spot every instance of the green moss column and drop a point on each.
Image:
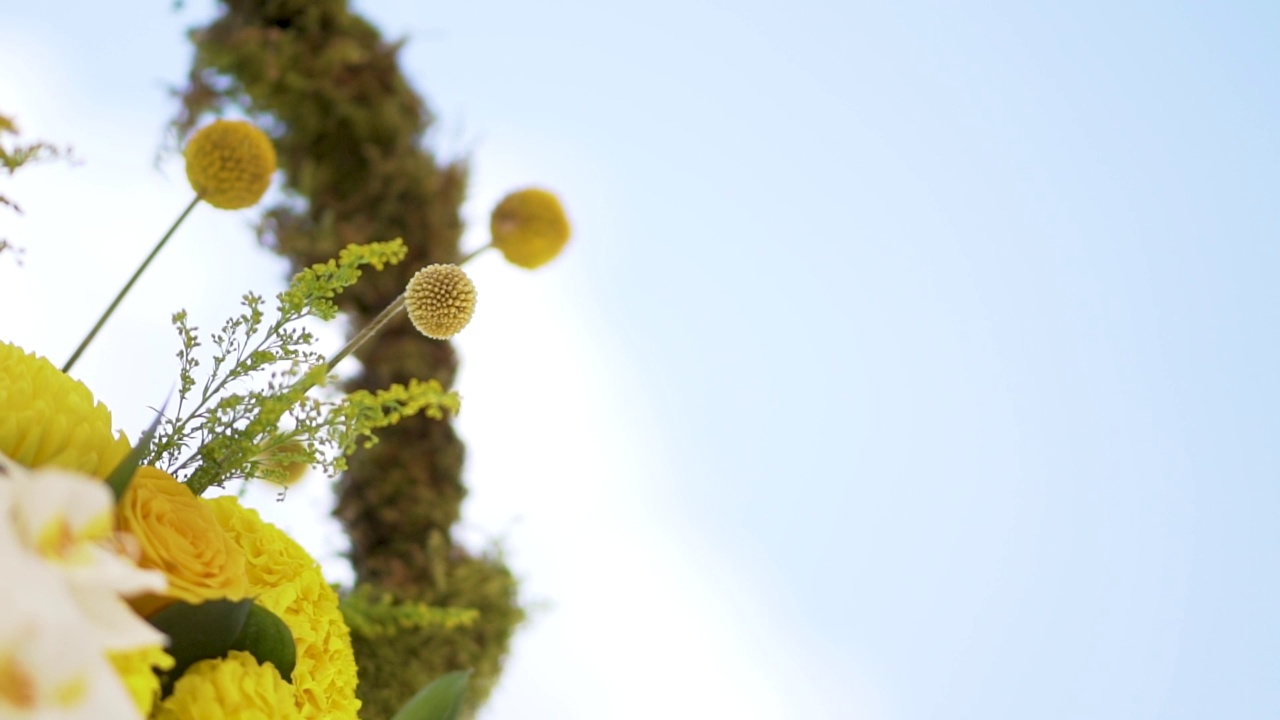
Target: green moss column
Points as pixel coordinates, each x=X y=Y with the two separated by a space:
x=348 y=130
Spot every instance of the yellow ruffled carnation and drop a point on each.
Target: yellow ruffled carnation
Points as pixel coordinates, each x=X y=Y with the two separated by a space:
x=287 y=581
x=137 y=669
x=48 y=419
x=230 y=163
x=230 y=688
x=178 y=535
x=529 y=227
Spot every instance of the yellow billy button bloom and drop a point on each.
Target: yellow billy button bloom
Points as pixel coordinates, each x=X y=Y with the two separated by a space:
x=529 y=227
x=48 y=419
x=230 y=163
x=440 y=300
x=178 y=535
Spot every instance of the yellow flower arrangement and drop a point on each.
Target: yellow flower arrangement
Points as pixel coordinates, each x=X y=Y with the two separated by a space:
x=230 y=163
x=530 y=227
x=178 y=534
x=52 y=420
x=440 y=300
x=286 y=580
x=153 y=585
x=227 y=689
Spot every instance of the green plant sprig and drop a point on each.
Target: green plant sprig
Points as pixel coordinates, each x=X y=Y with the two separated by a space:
x=374 y=613
x=224 y=432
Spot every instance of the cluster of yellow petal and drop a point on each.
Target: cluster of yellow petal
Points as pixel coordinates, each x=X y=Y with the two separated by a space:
x=227 y=688
x=137 y=668
x=529 y=227
x=48 y=419
x=230 y=163
x=287 y=581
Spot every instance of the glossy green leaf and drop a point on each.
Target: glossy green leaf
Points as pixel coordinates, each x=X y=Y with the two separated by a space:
x=441 y=700
x=199 y=632
x=269 y=640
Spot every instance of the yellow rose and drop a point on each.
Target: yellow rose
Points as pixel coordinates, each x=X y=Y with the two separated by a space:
x=179 y=535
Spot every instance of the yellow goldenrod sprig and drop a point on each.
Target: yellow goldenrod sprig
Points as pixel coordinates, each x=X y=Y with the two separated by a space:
x=372 y=613
x=218 y=433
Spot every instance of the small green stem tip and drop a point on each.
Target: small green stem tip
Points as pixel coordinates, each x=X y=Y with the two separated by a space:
x=387 y=315
x=474 y=253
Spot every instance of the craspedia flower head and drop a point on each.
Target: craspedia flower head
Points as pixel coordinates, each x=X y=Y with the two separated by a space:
x=440 y=300
x=529 y=227
x=48 y=419
x=230 y=163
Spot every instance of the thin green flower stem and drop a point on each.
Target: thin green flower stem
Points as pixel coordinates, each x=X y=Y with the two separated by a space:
x=390 y=313
x=474 y=253
x=375 y=325
x=129 y=285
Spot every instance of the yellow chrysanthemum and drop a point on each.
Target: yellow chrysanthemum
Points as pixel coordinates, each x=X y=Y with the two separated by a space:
x=287 y=581
x=229 y=688
x=529 y=227
x=48 y=419
x=441 y=300
x=137 y=668
x=230 y=163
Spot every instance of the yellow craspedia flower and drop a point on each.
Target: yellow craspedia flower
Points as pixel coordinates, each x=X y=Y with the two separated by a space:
x=286 y=580
x=289 y=472
x=230 y=163
x=48 y=419
x=440 y=300
x=178 y=535
x=529 y=227
x=137 y=669
x=232 y=688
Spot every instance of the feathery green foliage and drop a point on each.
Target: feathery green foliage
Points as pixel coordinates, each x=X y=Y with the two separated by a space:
x=15 y=155
x=371 y=613
x=226 y=431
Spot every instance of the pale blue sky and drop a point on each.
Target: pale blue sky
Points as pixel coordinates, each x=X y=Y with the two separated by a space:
x=912 y=360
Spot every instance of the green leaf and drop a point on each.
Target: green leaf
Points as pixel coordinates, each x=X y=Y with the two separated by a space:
x=441 y=700
x=269 y=640
x=199 y=632
x=120 y=478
